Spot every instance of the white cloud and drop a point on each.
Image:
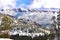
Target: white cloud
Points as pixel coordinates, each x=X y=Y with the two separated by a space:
x=7 y=4
x=45 y=3
x=36 y=4
x=53 y=4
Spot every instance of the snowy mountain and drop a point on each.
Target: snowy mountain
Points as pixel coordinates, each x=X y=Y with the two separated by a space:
x=26 y=27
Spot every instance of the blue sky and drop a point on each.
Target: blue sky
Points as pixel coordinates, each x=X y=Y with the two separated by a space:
x=29 y=3
x=25 y=2
x=14 y=3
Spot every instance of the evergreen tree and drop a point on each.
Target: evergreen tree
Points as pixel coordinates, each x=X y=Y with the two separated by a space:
x=6 y=22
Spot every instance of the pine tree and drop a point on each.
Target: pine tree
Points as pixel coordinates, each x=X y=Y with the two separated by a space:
x=6 y=22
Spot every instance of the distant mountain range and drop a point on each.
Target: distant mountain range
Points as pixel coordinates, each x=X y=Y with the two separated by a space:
x=29 y=10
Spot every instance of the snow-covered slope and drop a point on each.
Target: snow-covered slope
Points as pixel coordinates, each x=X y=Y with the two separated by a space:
x=39 y=17
x=5 y=39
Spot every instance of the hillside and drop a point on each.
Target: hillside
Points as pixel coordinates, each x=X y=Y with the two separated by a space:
x=21 y=24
